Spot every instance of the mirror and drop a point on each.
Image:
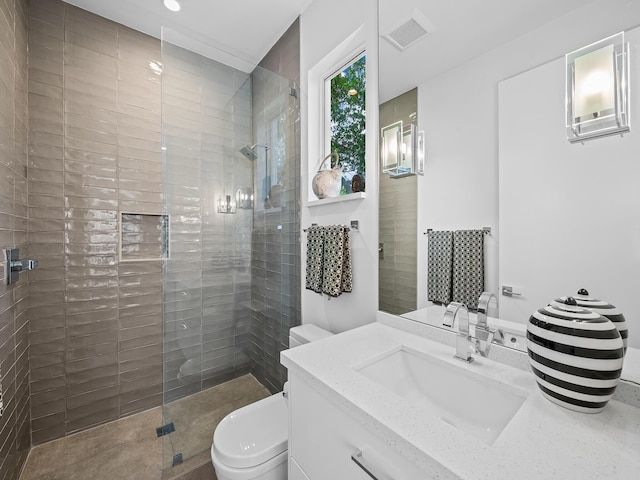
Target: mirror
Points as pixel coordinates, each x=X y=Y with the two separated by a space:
x=398 y=213
x=458 y=68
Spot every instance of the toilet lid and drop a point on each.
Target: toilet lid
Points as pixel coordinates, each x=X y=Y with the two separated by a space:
x=253 y=434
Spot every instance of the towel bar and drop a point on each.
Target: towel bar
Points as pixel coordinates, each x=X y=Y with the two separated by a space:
x=355 y=225
x=485 y=230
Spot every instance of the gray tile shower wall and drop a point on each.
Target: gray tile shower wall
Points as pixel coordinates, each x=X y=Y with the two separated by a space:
x=14 y=338
x=94 y=151
x=275 y=249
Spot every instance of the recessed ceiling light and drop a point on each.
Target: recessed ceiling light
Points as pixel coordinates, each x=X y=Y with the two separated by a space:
x=172 y=5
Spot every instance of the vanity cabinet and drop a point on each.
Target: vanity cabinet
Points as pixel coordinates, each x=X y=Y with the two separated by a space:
x=323 y=437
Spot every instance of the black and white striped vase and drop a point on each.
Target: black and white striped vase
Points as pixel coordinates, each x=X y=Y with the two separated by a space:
x=603 y=308
x=575 y=354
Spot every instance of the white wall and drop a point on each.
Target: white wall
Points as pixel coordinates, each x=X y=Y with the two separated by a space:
x=459 y=112
x=323 y=27
x=569 y=212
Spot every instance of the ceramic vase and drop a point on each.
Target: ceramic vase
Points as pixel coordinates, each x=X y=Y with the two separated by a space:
x=603 y=308
x=575 y=354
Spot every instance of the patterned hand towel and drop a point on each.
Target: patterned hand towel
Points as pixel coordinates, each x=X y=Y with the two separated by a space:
x=337 y=277
x=440 y=261
x=315 y=258
x=468 y=267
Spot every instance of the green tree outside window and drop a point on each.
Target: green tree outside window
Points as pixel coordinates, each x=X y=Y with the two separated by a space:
x=348 y=117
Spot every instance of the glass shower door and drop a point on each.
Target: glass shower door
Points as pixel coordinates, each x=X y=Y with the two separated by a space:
x=230 y=190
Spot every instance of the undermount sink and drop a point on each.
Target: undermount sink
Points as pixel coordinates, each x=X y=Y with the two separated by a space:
x=473 y=403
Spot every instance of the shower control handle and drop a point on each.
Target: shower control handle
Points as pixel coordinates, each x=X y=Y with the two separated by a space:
x=26 y=264
x=15 y=265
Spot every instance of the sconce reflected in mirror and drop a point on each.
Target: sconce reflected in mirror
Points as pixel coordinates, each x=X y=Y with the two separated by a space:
x=402 y=151
x=420 y=154
x=597 y=89
x=391 y=150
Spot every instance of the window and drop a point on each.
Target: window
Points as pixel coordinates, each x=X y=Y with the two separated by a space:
x=345 y=121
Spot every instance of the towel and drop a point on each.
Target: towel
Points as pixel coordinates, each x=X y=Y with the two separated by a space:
x=337 y=275
x=315 y=258
x=440 y=261
x=468 y=267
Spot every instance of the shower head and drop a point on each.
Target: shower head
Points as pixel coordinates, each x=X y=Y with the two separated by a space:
x=248 y=152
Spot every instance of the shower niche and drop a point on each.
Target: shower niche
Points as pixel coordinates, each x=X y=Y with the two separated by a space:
x=144 y=237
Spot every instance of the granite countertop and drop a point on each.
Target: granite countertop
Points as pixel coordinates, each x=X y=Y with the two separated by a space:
x=543 y=440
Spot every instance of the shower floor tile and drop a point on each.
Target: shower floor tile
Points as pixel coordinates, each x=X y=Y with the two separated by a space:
x=129 y=447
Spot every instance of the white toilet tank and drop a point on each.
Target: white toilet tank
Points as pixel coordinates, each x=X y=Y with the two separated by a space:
x=305 y=334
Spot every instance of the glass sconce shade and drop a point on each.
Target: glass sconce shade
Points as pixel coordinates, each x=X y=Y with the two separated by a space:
x=401 y=149
x=597 y=89
x=225 y=205
x=420 y=154
x=391 y=151
x=244 y=198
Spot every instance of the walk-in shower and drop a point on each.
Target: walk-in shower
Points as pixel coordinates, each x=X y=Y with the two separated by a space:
x=231 y=284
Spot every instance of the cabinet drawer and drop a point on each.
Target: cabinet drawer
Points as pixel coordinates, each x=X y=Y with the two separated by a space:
x=323 y=439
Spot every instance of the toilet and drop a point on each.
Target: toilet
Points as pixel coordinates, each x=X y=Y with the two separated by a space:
x=251 y=442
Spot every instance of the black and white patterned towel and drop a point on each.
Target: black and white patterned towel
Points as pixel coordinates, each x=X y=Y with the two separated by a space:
x=315 y=258
x=468 y=267
x=337 y=277
x=329 y=260
x=440 y=261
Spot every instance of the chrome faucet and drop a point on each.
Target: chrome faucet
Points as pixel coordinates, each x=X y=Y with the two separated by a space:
x=485 y=335
x=465 y=343
x=483 y=305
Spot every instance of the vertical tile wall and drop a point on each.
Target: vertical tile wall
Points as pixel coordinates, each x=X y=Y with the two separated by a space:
x=14 y=339
x=398 y=217
x=275 y=255
x=94 y=144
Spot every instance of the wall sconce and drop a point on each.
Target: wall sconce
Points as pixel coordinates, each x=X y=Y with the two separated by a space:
x=225 y=205
x=420 y=154
x=391 y=152
x=244 y=198
x=400 y=151
x=597 y=89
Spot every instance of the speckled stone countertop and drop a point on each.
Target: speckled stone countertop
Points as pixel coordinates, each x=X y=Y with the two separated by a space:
x=542 y=440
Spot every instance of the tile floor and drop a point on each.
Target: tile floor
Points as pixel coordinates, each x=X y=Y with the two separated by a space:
x=130 y=449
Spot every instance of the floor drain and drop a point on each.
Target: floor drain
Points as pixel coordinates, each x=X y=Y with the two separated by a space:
x=177 y=459
x=165 y=429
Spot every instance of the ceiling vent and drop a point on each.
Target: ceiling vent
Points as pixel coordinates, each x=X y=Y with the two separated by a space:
x=410 y=31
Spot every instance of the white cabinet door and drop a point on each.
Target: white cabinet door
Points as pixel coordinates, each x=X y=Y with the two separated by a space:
x=324 y=437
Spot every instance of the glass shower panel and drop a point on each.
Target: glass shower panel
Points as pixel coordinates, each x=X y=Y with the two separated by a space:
x=230 y=189
x=275 y=286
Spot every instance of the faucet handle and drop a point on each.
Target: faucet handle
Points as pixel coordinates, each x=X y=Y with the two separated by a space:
x=486 y=336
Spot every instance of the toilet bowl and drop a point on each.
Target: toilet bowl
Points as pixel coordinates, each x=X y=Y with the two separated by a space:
x=251 y=442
